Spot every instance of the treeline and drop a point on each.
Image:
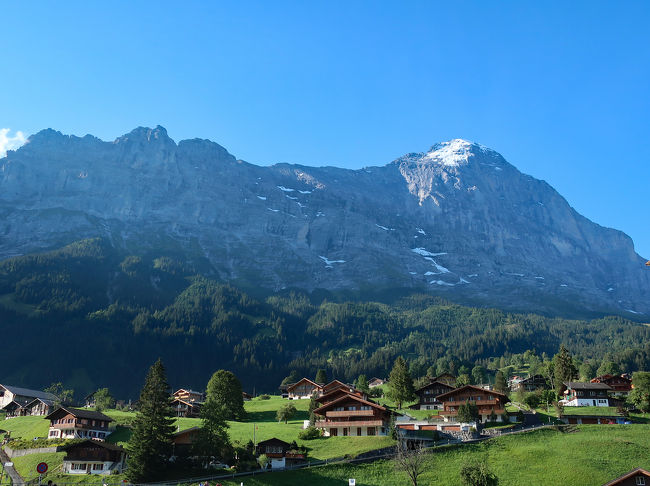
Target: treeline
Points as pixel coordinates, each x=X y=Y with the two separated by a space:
x=90 y=315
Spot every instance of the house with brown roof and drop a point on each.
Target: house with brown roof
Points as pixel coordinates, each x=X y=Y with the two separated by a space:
x=532 y=383
x=376 y=382
x=427 y=395
x=336 y=385
x=620 y=385
x=303 y=389
x=183 y=440
x=636 y=477
x=578 y=394
x=280 y=453
x=338 y=393
x=447 y=379
x=75 y=423
x=488 y=402
x=183 y=408
x=188 y=395
x=351 y=415
x=93 y=457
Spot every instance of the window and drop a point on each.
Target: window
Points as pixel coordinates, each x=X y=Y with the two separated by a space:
x=345 y=431
x=640 y=481
x=98 y=467
x=358 y=430
x=334 y=432
x=78 y=467
x=353 y=408
x=371 y=431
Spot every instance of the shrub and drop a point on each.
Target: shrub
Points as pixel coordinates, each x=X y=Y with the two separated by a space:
x=309 y=433
x=264 y=397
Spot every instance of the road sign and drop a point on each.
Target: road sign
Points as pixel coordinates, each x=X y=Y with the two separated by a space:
x=41 y=468
x=352 y=482
x=9 y=464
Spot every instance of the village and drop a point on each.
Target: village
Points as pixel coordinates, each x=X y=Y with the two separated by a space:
x=308 y=422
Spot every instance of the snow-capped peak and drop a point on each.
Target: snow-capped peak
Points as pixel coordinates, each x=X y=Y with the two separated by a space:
x=452 y=153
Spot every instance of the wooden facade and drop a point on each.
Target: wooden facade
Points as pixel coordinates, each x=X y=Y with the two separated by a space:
x=636 y=477
x=303 y=389
x=280 y=454
x=93 y=457
x=427 y=395
x=488 y=402
x=532 y=383
x=351 y=415
x=22 y=396
x=74 y=423
x=186 y=409
x=620 y=385
x=578 y=394
x=189 y=395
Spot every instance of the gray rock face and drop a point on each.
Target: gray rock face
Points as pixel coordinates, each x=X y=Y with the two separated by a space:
x=457 y=220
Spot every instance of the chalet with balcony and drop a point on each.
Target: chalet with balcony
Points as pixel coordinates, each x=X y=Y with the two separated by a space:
x=39 y=406
x=93 y=457
x=579 y=394
x=21 y=396
x=188 y=395
x=74 y=423
x=183 y=408
x=488 y=402
x=636 y=477
x=303 y=389
x=351 y=415
x=14 y=409
x=620 y=385
x=183 y=440
x=530 y=384
x=280 y=453
x=427 y=395
x=338 y=393
x=337 y=385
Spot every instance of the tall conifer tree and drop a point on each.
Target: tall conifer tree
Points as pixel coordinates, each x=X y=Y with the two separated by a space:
x=400 y=383
x=564 y=369
x=150 y=444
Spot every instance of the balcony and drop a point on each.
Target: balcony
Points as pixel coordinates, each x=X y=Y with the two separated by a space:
x=350 y=423
x=78 y=425
x=497 y=411
x=350 y=413
x=476 y=402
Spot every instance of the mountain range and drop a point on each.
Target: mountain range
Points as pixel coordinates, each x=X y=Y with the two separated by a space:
x=457 y=221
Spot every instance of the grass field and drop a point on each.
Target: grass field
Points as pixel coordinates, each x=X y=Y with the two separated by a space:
x=26 y=427
x=592 y=455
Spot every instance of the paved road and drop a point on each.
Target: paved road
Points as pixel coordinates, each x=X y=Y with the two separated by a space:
x=15 y=477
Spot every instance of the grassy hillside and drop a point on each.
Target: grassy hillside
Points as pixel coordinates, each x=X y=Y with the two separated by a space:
x=593 y=455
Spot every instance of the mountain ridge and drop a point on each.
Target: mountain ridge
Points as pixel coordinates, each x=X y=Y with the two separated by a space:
x=458 y=220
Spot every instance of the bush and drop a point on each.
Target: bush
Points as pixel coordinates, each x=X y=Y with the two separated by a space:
x=264 y=397
x=309 y=433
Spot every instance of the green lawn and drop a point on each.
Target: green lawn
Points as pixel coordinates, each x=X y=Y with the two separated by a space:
x=602 y=411
x=26 y=467
x=26 y=427
x=593 y=455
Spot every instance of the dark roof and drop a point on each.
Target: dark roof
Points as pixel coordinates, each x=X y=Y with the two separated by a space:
x=26 y=392
x=273 y=440
x=185 y=431
x=49 y=403
x=578 y=385
x=349 y=396
x=105 y=445
x=187 y=390
x=293 y=385
x=477 y=388
x=631 y=474
x=12 y=405
x=438 y=383
x=80 y=413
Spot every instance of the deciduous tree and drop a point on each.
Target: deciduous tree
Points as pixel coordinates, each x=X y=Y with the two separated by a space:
x=225 y=389
x=103 y=399
x=285 y=412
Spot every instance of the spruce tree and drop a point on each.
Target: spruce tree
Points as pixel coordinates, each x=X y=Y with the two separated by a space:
x=564 y=369
x=500 y=383
x=321 y=377
x=150 y=445
x=400 y=383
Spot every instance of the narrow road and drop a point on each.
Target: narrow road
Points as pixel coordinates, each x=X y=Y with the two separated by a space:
x=10 y=471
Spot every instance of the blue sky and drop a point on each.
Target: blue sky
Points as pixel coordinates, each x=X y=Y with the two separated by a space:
x=563 y=92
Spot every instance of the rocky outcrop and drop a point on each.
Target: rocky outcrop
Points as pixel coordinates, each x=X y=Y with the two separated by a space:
x=457 y=220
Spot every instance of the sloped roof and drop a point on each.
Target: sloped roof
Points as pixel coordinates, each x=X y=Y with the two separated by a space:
x=103 y=444
x=466 y=387
x=274 y=440
x=347 y=397
x=26 y=392
x=49 y=403
x=429 y=385
x=631 y=474
x=304 y=380
x=578 y=385
x=80 y=413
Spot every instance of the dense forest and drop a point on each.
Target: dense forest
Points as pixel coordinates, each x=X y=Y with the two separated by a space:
x=92 y=316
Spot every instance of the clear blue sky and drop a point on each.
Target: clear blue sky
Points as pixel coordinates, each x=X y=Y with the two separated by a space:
x=562 y=91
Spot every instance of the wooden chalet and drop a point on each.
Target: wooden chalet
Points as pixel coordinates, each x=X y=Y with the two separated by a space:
x=188 y=395
x=14 y=409
x=338 y=393
x=280 y=454
x=186 y=409
x=39 y=406
x=488 y=402
x=351 y=415
x=75 y=423
x=93 y=457
x=183 y=440
x=336 y=385
x=578 y=394
x=427 y=395
x=636 y=477
x=247 y=397
x=447 y=379
x=22 y=396
x=303 y=389
x=376 y=382
x=620 y=385
x=532 y=383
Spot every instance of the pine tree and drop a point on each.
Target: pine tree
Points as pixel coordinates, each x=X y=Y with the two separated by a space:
x=500 y=383
x=362 y=384
x=153 y=427
x=400 y=383
x=321 y=376
x=213 y=437
x=564 y=369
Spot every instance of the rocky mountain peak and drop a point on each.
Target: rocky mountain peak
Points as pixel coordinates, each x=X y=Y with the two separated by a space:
x=453 y=153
